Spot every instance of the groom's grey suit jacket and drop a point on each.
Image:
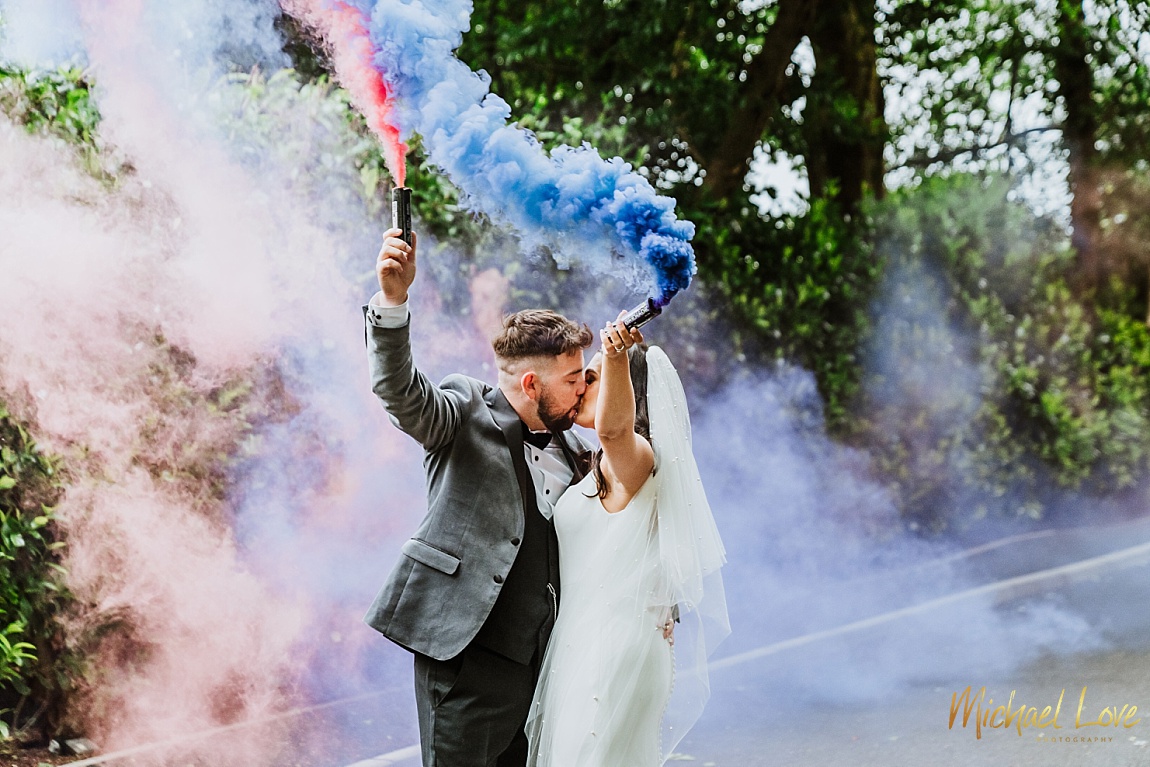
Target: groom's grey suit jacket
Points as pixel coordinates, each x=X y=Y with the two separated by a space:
x=452 y=571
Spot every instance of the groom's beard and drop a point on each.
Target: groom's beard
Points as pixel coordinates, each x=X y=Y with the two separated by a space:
x=561 y=421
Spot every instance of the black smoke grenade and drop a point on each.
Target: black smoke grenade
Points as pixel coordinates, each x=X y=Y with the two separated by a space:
x=642 y=314
x=401 y=211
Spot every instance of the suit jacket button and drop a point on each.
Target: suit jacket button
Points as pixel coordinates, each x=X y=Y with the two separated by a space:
x=514 y=541
x=499 y=579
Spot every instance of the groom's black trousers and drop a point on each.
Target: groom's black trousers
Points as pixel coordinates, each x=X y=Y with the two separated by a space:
x=473 y=708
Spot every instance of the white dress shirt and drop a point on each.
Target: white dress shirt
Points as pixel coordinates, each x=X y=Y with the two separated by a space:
x=550 y=474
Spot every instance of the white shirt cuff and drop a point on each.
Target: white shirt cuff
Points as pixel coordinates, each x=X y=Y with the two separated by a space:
x=386 y=316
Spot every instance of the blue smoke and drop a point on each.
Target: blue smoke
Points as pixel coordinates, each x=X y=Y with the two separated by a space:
x=571 y=199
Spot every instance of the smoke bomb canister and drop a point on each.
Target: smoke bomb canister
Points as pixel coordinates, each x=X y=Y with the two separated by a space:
x=642 y=314
x=401 y=211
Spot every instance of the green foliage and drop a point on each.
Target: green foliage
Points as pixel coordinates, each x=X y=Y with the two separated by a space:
x=32 y=594
x=56 y=102
x=13 y=655
x=987 y=57
x=660 y=84
x=1008 y=388
x=277 y=122
x=797 y=288
x=669 y=74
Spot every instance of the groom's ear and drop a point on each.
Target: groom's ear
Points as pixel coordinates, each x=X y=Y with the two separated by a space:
x=529 y=382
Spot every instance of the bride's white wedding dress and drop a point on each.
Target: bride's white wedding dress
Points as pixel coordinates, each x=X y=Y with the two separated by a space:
x=612 y=691
x=607 y=668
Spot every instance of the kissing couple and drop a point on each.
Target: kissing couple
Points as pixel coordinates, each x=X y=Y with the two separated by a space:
x=560 y=600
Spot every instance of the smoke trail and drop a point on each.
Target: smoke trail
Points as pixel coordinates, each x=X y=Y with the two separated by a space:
x=573 y=200
x=344 y=26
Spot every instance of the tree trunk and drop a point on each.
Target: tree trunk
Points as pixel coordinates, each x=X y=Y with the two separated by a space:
x=844 y=123
x=1076 y=87
x=729 y=160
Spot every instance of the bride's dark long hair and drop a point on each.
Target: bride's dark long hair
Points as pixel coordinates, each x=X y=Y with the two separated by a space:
x=637 y=364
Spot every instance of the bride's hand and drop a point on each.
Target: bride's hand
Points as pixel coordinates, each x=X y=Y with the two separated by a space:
x=617 y=338
x=669 y=632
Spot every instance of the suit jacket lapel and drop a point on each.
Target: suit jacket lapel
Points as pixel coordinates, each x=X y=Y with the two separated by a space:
x=510 y=424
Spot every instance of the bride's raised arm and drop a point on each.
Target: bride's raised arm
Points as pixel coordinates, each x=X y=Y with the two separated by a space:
x=627 y=457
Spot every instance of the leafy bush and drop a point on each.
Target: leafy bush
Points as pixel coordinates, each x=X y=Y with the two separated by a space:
x=992 y=389
x=32 y=595
x=797 y=287
x=57 y=102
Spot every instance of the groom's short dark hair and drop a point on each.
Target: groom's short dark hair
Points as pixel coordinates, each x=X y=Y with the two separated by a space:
x=539 y=333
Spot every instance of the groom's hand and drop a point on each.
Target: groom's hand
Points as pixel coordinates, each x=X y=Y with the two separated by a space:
x=395 y=267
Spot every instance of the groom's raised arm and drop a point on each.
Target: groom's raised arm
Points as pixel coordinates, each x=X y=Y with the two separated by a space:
x=421 y=409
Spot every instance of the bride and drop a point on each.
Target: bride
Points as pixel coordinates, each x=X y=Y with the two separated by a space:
x=637 y=547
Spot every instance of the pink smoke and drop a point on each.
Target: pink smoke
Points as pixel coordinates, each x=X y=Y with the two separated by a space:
x=86 y=303
x=143 y=324
x=344 y=28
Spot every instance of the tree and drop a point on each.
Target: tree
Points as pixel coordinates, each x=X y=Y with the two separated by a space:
x=844 y=127
x=690 y=93
x=699 y=87
x=1003 y=76
x=1071 y=64
x=765 y=82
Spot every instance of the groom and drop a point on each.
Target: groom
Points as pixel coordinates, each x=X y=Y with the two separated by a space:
x=476 y=590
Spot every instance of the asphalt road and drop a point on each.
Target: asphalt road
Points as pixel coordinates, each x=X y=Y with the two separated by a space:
x=1041 y=616
x=882 y=695
x=871 y=681
x=910 y=726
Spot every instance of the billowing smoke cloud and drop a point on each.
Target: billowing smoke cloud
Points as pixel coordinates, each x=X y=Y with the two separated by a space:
x=815 y=542
x=99 y=333
x=572 y=200
x=190 y=340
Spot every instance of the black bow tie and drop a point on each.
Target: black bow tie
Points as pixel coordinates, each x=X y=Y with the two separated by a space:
x=540 y=439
